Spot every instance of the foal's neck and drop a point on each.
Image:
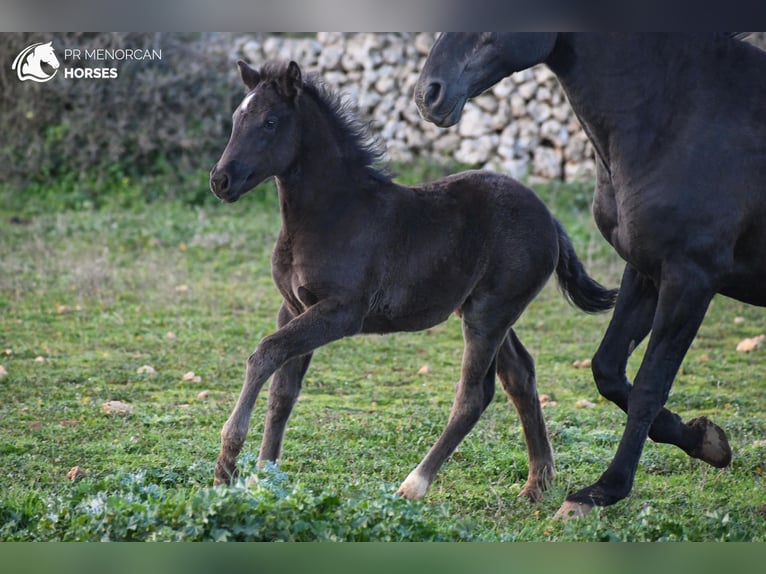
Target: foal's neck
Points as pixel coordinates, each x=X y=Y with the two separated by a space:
x=323 y=177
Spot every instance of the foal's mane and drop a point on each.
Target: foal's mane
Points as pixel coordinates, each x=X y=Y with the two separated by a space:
x=354 y=135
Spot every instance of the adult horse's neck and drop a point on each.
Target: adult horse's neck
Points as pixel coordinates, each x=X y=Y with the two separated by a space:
x=618 y=85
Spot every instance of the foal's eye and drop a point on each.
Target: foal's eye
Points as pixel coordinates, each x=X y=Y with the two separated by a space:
x=270 y=124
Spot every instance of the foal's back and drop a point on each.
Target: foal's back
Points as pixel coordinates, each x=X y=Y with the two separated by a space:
x=446 y=242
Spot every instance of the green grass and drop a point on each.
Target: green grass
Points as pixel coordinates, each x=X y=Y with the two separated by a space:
x=91 y=291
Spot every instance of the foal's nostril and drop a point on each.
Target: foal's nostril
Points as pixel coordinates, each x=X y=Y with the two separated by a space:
x=434 y=94
x=219 y=182
x=224 y=182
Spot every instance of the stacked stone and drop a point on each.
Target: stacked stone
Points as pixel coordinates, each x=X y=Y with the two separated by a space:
x=523 y=126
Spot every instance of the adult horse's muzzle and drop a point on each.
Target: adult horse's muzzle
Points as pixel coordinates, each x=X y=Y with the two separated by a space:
x=435 y=104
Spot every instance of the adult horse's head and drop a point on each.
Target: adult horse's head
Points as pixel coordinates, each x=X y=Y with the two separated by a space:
x=462 y=65
x=264 y=137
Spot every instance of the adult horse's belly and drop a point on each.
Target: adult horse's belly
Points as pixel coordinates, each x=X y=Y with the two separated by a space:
x=747 y=281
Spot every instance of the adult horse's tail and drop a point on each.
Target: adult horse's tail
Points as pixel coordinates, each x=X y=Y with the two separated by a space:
x=578 y=287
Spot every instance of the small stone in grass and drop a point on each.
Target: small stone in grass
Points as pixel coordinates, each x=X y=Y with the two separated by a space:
x=751 y=344
x=117 y=408
x=75 y=473
x=584 y=404
x=190 y=376
x=203 y=394
x=545 y=401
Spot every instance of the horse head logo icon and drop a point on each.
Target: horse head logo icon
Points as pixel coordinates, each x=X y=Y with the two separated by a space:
x=28 y=64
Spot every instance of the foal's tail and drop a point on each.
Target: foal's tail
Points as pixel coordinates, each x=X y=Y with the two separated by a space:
x=577 y=286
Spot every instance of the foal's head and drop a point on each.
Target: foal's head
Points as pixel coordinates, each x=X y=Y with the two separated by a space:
x=265 y=133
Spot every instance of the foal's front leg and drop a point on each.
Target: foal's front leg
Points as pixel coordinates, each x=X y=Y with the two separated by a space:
x=283 y=392
x=327 y=321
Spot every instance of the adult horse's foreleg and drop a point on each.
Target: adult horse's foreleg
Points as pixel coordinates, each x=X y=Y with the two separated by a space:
x=631 y=322
x=516 y=370
x=474 y=392
x=327 y=321
x=683 y=299
x=283 y=393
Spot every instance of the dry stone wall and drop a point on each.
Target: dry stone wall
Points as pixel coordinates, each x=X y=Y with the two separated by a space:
x=523 y=126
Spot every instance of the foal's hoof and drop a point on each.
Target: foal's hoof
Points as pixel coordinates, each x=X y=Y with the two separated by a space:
x=572 y=510
x=538 y=482
x=225 y=473
x=414 y=487
x=531 y=492
x=713 y=447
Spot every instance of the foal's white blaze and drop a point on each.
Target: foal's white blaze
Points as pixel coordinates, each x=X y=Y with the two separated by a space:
x=414 y=486
x=246 y=101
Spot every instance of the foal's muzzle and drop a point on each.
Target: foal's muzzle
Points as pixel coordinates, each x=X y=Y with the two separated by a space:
x=220 y=182
x=222 y=185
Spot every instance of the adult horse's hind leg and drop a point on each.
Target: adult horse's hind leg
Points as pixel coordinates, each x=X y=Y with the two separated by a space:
x=516 y=370
x=631 y=322
x=474 y=393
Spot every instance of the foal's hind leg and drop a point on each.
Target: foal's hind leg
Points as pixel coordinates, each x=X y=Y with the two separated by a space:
x=631 y=322
x=474 y=393
x=516 y=370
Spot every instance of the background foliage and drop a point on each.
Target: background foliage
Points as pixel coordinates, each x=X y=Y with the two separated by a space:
x=162 y=116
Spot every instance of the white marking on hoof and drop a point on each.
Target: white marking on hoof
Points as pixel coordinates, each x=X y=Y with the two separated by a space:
x=414 y=486
x=572 y=510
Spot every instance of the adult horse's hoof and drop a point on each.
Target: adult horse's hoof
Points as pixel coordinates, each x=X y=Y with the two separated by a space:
x=572 y=510
x=713 y=446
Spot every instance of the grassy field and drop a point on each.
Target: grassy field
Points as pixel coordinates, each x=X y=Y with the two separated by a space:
x=93 y=289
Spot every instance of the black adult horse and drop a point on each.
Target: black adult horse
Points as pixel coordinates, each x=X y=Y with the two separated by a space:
x=359 y=253
x=678 y=124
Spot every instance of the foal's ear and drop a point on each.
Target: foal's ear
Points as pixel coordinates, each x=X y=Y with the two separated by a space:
x=293 y=81
x=250 y=76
